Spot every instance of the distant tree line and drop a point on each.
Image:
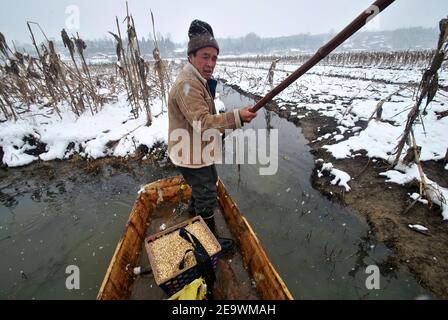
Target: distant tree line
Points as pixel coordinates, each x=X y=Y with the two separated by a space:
x=400 y=39
x=107 y=45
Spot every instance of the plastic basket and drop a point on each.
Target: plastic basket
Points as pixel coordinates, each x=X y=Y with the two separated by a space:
x=185 y=276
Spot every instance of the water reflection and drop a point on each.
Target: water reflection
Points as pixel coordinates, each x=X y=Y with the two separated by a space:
x=8 y=200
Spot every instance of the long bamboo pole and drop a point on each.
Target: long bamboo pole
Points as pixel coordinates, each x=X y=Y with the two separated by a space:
x=377 y=7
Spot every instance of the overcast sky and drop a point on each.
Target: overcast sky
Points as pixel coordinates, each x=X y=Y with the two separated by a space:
x=229 y=18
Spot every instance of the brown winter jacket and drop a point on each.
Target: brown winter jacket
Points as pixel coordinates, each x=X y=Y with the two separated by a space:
x=190 y=102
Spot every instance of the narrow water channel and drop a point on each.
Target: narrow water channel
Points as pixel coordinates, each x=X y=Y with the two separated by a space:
x=53 y=215
x=320 y=248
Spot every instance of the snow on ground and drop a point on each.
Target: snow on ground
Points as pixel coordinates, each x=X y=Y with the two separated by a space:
x=406 y=174
x=348 y=94
x=219 y=105
x=418 y=227
x=341 y=178
x=378 y=139
x=399 y=75
x=351 y=95
x=89 y=134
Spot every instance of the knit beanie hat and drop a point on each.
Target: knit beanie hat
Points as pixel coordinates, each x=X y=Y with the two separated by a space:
x=201 y=36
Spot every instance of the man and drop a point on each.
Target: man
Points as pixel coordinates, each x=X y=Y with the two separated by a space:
x=191 y=110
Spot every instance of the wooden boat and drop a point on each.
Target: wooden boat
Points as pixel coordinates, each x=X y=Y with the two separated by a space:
x=234 y=280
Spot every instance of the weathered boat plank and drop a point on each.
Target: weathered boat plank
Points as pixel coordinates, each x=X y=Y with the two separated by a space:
x=269 y=283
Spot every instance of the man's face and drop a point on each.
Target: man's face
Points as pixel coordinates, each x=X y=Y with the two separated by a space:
x=205 y=61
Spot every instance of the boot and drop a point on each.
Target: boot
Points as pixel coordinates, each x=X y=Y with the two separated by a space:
x=227 y=245
x=210 y=222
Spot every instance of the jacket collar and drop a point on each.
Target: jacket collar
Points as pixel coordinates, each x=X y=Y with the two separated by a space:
x=189 y=68
x=209 y=84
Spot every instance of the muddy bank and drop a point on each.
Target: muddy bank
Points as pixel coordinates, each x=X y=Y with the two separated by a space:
x=385 y=206
x=41 y=176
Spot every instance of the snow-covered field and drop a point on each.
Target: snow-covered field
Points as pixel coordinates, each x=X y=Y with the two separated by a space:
x=348 y=94
x=89 y=136
x=351 y=94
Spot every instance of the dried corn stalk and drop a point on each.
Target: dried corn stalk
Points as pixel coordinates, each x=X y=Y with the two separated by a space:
x=159 y=66
x=133 y=69
x=45 y=80
x=428 y=87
